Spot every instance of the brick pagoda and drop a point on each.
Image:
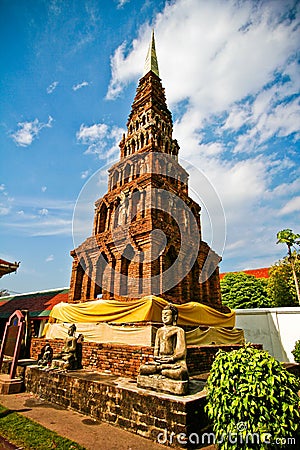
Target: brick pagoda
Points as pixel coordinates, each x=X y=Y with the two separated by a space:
x=147 y=232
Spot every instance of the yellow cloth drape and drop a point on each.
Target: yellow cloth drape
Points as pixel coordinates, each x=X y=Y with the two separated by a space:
x=147 y=309
x=105 y=333
x=215 y=336
x=143 y=335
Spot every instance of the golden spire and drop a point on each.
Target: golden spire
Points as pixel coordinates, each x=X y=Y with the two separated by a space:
x=151 y=59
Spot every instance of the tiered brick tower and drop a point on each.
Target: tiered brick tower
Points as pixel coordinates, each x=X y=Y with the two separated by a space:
x=147 y=232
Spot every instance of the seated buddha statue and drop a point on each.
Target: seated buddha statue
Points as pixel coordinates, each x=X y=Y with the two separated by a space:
x=170 y=349
x=67 y=358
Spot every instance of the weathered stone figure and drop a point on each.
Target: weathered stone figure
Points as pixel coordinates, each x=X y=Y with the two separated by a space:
x=45 y=357
x=168 y=372
x=67 y=358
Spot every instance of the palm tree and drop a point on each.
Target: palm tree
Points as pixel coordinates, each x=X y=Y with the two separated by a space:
x=290 y=239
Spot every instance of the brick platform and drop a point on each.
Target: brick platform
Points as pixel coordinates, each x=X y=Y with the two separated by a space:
x=125 y=360
x=164 y=418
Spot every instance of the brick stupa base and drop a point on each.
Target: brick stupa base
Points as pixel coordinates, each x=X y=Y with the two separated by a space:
x=125 y=360
x=164 y=418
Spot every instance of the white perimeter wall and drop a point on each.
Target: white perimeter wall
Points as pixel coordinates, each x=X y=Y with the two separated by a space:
x=276 y=328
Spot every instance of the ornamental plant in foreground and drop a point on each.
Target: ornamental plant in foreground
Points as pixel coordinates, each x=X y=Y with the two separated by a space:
x=252 y=400
x=296 y=352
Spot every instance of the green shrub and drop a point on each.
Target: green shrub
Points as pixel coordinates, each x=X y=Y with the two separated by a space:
x=241 y=290
x=296 y=352
x=252 y=400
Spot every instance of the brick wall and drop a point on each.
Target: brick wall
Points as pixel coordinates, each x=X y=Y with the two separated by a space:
x=121 y=403
x=125 y=360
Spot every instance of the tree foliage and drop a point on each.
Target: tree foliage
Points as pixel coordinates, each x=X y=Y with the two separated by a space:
x=288 y=237
x=281 y=284
x=240 y=290
x=253 y=398
x=296 y=352
x=291 y=240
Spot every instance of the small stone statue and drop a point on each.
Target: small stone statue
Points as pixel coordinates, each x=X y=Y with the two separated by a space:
x=45 y=357
x=68 y=359
x=168 y=372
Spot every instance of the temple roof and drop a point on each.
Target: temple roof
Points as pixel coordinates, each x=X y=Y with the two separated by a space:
x=257 y=273
x=151 y=63
x=7 y=267
x=39 y=304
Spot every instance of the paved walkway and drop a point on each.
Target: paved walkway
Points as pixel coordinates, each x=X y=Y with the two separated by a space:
x=91 y=434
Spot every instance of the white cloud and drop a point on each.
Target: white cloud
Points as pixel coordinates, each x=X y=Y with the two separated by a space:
x=30 y=224
x=43 y=188
x=2 y=187
x=44 y=212
x=101 y=139
x=28 y=131
x=286 y=189
x=38 y=216
x=238 y=116
x=52 y=87
x=291 y=206
x=84 y=174
x=75 y=87
x=266 y=118
x=86 y=134
x=49 y=258
x=42 y=202
x=4 y=210
x=52 y=226
x=121 y=3
x=219 y=51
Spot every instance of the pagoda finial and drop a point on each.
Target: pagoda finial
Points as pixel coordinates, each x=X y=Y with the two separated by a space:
x=151 y=58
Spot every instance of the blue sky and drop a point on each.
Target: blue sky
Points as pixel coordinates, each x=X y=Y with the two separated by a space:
x=69 y=70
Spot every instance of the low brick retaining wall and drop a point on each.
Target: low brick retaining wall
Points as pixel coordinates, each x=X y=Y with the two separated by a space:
x=163 y=418
x=125 y=360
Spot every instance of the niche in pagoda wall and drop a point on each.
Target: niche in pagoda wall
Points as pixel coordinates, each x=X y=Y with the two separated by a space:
x=100 y=269
x=195 y=274
x=116 y=212
x=168 y=278
x=115 y=179
x=133 y=145
x=87 y=283
x=126 y=174
x=135 y=204
x=126 y=258
x=80 y=271
x=102 y=218
x=121 y=211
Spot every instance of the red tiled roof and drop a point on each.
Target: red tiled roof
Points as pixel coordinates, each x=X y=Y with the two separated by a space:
x=257 y=273
x=39 y=304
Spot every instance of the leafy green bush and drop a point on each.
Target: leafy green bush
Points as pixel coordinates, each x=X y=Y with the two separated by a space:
x=296 y=352
x=252 y=400
x=240 y=290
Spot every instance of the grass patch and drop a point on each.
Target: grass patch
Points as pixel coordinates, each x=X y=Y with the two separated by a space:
x=28 y=434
